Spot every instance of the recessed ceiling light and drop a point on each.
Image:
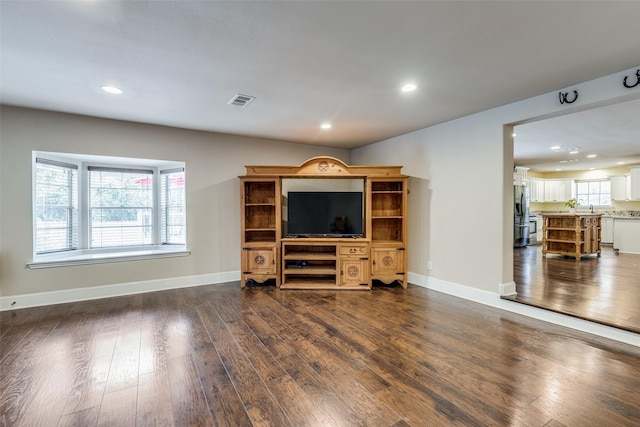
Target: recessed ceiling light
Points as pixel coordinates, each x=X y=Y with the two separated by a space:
x=574 y=152
x=111 y=89
x=591 y=156
x=564 y=161
x=559 y=169
x=620 y=163
x=556 y=147
x=326 y=126
x=514 y=134
x=409 y=87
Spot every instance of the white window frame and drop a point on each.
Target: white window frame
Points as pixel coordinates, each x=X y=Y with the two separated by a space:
x=599 y=180
x=86 y=255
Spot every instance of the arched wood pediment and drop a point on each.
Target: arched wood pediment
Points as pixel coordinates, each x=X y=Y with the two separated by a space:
x=325 y=166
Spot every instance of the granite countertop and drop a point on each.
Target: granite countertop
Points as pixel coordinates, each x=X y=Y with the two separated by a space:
x=573 y=214
x=631 y=215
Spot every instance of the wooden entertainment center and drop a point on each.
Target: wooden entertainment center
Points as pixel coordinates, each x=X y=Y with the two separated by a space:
x=269 y=253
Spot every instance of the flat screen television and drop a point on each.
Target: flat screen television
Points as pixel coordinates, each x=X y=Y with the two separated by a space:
x=331 y=214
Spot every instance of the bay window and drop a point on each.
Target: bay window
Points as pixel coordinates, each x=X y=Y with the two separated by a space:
x=98 y=209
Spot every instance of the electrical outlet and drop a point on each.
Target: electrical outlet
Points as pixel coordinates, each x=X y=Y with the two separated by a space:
x=429 y=265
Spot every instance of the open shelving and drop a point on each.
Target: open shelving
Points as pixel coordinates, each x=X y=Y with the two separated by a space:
x=573 y=235
x=260 y=198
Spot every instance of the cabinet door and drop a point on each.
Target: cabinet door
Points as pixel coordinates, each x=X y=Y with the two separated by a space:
x=387 y=261
x=536 y=190
x=607 y=230
x=259 y=261
x=354 y=271
x=635 y=183
x=619 y=188
x=550 y=191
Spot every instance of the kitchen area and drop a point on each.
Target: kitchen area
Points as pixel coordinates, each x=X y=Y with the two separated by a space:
x=576 y=204
x=620 y=210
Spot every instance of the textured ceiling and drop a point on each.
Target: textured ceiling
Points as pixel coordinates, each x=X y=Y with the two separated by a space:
x=179 y=62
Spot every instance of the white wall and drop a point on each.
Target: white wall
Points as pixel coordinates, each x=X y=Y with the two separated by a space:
x=213 y=163
x=460 y=190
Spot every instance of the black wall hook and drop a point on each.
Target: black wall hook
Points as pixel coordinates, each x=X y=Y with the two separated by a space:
x=624 y=81
x=564 y=97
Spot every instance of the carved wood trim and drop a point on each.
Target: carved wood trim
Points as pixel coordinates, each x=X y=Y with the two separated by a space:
x=325 y=166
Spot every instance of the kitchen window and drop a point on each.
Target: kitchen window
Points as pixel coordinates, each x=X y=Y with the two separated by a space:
x=594 y=192
x=89 y=209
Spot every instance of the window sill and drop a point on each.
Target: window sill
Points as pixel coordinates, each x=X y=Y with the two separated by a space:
x=84 y=257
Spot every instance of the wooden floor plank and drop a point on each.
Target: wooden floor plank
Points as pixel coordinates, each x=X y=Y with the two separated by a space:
x=188 y=402
x=282 y=386
x=118 y=408
x=262 y=407
x=602 y=289
x=154 y=406
x=225 y=405
x=221 y=355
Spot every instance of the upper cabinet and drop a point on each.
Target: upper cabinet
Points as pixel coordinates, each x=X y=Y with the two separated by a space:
x=536 y=190
x=557 y=190
x=634 y=183
x=620 y=187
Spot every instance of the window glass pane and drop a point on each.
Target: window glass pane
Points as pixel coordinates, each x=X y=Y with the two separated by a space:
x=583 y=188
x=55 y=210
x=583 y=199
x=121 y=208
x=596 y=193
x=173 y=208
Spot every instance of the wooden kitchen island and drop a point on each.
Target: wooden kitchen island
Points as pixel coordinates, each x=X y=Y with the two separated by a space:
x=572 y=235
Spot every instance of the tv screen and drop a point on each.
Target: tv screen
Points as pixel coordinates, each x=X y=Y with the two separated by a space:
x=313 y=213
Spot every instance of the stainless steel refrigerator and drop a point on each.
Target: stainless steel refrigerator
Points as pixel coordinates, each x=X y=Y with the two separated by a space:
x=520 y=216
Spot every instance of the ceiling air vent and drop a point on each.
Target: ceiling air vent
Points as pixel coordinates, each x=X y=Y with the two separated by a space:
x=241 y=100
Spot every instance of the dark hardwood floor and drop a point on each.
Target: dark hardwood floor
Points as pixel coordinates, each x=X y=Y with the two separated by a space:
x=219 y=355
x=604 y=290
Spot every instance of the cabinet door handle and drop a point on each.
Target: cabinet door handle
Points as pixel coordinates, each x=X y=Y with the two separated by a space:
x=352 y=251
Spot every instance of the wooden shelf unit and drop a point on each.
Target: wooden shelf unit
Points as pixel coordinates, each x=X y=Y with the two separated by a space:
x=260 y=225
x=324 y=263
x=573 y=235
x=388 y=207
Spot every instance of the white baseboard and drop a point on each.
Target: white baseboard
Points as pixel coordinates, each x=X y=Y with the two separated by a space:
x=472 y=294
x=493 y=300
x=83 y=294
x=507 y=289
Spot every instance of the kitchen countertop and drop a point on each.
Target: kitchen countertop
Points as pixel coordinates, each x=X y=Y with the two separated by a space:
x=573 y=214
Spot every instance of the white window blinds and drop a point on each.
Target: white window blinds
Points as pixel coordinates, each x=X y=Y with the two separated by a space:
x=173 y=207
x=56 y=206
x=120 y=207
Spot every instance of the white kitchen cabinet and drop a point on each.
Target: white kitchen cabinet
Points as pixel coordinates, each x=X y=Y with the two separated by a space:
x=634 y=183
x=620 y=187
x=536 y=190
x=607 y=230
x=626 y=235
x=557 y=190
